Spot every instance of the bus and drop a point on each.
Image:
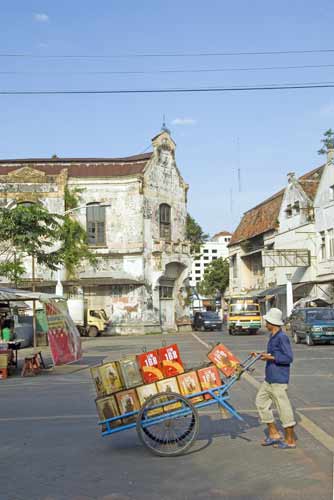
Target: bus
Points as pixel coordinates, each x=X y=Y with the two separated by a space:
x=243 y=315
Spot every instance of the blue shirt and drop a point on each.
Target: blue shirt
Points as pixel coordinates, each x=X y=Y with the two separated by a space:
x=278 y=371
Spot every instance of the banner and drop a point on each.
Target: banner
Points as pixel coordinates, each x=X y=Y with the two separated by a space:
x=64 y=338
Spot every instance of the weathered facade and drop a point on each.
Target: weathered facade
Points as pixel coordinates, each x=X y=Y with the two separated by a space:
x=276 y=244
x=135 y=211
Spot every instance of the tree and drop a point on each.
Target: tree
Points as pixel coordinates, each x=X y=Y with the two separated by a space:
x=216 y=278
x=28 y=230
x=327 y=141
x=51 y=240
x=75 y=248
x=195 y=235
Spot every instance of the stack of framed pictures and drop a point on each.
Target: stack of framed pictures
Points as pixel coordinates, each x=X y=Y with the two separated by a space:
x=125 y=385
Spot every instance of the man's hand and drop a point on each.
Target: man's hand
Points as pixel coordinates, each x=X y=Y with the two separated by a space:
x=267 y=357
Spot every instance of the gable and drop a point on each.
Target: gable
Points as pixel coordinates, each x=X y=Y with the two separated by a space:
x=265 y=216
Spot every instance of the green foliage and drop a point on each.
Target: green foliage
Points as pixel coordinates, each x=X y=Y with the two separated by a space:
x=31 y=230
x=53 y=240
x=216 y=278
x=75 y=248
x=72 y=198
x=12 y=270
x=327 y=142
x=195 y=235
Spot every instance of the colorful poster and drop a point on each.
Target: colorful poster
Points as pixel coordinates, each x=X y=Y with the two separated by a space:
x=224 y=359
x=150 y=366
x=189 y=384
x=170 y=360
x=64 y=338
x=209 y=379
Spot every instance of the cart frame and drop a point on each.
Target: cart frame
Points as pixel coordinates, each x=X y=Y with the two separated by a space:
x=155 y=405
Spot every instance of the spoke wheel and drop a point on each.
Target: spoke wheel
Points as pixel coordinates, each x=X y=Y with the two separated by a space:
x=173 y=434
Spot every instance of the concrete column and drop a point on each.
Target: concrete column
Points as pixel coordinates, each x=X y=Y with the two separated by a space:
x=289 y=295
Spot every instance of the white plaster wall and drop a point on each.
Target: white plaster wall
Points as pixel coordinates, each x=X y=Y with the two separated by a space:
x=299 y=238
x=208 y=252
x=324 y=219
x=124 y=227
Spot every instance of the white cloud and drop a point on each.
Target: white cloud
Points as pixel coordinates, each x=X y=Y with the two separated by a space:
x=41 y=18
x=184 y=121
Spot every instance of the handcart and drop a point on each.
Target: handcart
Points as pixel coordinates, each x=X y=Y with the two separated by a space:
x=168 y=423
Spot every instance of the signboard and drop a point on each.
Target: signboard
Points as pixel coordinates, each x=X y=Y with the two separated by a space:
x=63 y=336
x=286 y=258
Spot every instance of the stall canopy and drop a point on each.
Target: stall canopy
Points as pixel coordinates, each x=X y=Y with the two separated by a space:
x=63 y=336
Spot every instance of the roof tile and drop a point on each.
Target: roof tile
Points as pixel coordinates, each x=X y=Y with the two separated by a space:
x=263 y=217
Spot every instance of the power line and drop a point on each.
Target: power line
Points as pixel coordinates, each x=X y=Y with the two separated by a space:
x=175 y=54
x=288 y=86
x=149 y=72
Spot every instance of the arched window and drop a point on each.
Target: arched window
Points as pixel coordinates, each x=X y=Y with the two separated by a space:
x=96 y=224
x=165 y=221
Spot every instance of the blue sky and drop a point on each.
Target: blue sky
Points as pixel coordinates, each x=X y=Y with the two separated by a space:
x=278 y=132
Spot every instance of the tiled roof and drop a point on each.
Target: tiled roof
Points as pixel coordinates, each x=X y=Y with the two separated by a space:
x=263 y=217
x=81 y=167
x=222 y=233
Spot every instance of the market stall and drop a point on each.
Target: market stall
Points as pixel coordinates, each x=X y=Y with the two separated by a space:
x=51 y=320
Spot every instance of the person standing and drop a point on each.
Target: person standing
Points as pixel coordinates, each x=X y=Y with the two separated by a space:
x=273 y=390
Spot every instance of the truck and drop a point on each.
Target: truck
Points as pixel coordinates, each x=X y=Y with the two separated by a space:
x=90 y=322
x=243 y=315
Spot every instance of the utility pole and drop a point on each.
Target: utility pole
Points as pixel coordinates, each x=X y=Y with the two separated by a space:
x=33 y=302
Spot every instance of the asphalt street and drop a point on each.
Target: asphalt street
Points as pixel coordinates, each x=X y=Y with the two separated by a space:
x=51 y=448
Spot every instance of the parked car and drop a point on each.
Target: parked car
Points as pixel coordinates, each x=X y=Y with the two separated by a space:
x=207 y=320
x=312 y=325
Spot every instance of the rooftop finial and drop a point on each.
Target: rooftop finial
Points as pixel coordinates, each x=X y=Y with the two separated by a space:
x=164 y=126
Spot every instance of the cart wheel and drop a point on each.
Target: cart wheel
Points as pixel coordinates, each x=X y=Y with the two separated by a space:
x=166 y=432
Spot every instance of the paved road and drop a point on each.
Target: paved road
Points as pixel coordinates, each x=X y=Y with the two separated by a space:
x=50 y=447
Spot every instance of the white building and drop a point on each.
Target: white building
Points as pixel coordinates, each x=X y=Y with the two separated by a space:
x=136 y=226
x=275 y=244
x=214 y=249
x=324 y=227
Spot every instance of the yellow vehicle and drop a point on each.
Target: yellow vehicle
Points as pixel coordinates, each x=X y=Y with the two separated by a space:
x=90 y=322
x=243 y=315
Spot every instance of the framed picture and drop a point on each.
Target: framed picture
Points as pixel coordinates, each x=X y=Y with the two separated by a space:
x=111 y=378
x=209 y=378
x=128 y=402
x=224 y=359
x=130 y=372
x=169 y=385
x=150 y=366
x=170 y=360
x=108 y=408
x=189 y=384
x=96 y=376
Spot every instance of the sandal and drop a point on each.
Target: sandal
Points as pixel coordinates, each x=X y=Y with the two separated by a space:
x=269 y=441
x=283 y=445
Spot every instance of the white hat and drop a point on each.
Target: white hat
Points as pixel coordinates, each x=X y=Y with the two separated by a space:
x=274 y=317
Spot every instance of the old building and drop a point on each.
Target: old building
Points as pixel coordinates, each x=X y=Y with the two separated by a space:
x=274 y=246
x=134 y=210
x=324 y=230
